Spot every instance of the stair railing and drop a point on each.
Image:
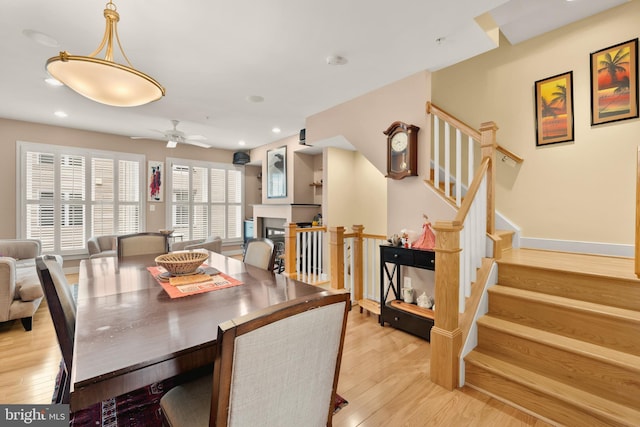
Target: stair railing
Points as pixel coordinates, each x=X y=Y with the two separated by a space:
x=355 y=264
x=303 y=253
x=461 y=244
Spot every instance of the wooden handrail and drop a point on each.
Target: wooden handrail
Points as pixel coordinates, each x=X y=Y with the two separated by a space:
x=471 y=192
x=508 y=153
x=459 y=124
x=467 y=130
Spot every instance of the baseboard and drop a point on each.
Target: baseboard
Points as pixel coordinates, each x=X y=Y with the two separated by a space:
x=609 y=249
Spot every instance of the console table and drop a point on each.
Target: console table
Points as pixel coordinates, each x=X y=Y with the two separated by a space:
x=408 y=317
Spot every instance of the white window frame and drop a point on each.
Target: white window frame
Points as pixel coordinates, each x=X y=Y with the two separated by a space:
x=170 y=161
x=23 y=147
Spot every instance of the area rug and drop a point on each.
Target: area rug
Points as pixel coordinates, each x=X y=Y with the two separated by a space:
x=140 y=408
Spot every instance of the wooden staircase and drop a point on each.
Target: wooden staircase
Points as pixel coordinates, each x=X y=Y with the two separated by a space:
x=562 y=338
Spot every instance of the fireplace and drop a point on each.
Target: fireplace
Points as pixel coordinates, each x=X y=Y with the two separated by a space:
x=276 y=234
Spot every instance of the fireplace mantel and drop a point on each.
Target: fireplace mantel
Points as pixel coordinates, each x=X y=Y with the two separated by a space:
x=286 y=212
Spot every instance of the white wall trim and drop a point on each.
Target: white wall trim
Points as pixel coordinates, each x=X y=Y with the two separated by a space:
x=609 y=249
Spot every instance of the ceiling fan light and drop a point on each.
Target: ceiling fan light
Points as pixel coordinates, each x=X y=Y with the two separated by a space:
x=103 y=80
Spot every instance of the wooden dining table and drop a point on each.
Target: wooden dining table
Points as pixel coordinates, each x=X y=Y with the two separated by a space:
x=130 y=333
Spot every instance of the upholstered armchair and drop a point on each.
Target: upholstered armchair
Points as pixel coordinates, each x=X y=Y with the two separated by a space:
x=211 y=243
x=20 y=290
x=102 y=246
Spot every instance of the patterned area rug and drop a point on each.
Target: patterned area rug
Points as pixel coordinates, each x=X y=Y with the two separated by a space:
x=140 y=408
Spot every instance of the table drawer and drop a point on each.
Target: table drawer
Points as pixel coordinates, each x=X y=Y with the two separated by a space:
x=398 y=256
x=424 y=259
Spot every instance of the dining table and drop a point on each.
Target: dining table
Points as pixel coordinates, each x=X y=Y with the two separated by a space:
x=130 y=333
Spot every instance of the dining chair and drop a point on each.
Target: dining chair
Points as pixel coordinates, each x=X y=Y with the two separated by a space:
x=62 y=308
x=275 y=367
x=260 y=253
x=142 y=244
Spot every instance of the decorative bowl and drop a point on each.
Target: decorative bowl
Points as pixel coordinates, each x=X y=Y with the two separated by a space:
x=181 y=263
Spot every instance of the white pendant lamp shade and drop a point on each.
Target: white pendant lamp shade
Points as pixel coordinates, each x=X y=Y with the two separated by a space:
x=103 y=80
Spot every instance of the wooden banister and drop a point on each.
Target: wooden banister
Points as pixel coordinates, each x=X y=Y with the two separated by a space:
x=468 y=130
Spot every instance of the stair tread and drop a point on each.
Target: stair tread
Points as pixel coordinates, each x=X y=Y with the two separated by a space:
x=604 y=354
x=622 y=314
x=559 y=390
x=585 y=264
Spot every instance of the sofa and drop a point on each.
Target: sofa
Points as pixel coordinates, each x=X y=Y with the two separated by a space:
x=20 y=289
x=211 y=243
x=102 y=246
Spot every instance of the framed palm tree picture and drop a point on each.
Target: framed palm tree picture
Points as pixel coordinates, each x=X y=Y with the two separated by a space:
x=554 y=109
x=614 y=83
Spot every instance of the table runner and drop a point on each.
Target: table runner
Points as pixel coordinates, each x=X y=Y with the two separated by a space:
x=218 y=281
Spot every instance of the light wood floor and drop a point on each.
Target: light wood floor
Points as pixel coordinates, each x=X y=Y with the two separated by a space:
x=384 y=376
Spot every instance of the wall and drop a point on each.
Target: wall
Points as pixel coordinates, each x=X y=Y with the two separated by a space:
x=361 y=121
x=578 y=191
x=12 y=131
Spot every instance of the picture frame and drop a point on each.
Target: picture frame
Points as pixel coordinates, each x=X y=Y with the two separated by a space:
x=277 y=173
x=614 y=83
x=554 y=109
x=155 y=185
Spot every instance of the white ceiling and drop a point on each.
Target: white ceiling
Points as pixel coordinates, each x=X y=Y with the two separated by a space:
x=211 y=55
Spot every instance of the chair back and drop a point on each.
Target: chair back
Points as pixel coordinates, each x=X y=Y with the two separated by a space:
x=142 y=244
x=260 y=253
x=280 y=366
x=62 y=308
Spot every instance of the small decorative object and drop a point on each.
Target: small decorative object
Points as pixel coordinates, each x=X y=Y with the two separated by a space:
x=614 y=83
x=427 y=239
x=181 y=263
x=395 y=240
x=425 y=301
x=554 y=109
x=402 y=150
x=407 y=295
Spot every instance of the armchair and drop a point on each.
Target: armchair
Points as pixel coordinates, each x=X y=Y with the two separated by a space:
x=102 y=246
x=20 y=290
x=211 y=243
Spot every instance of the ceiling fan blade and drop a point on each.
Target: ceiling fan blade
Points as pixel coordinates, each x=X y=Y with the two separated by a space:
x=196 y=137
x=139 y=137
x=172 y=144
x=196 y=143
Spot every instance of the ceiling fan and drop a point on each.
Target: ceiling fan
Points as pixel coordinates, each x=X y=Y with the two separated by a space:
x=175 y=136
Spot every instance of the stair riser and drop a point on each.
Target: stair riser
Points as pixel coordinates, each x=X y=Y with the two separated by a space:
x=533 y=400
x=591 y=327
x=591 y=375
x=600 y=290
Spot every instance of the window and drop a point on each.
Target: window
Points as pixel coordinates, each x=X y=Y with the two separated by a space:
x=70 y=193
x=206 y=199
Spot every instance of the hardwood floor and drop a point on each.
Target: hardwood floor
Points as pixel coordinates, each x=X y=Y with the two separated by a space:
x=384 y=376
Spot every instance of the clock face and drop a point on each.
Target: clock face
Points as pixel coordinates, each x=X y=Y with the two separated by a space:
x=399 y=142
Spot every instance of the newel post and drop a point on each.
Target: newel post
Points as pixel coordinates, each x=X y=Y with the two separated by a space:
x=488 y=149
x=290 y=249
x=336 y=254
x=446 y=336
x=358 y=257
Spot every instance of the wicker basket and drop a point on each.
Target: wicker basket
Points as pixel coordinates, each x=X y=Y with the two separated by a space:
x=178 y=263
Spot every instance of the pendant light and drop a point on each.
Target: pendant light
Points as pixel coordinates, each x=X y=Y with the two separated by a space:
x=103 y=80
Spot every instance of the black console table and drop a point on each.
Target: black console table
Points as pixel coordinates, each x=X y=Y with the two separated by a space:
x=391 y=303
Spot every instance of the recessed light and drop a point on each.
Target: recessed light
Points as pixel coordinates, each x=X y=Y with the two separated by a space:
x=256 y=99
x=61 y=114
x=275 y=130
x=241 y=143
x=53 y=82
x=336 y=60
x=41 y=38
